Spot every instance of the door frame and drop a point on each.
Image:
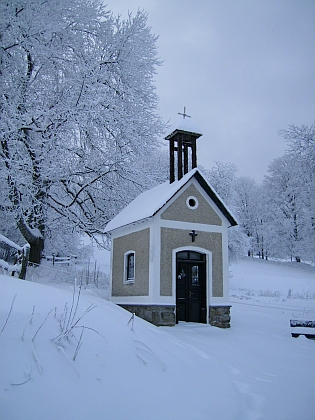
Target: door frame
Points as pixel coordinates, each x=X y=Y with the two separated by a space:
x=208 y=272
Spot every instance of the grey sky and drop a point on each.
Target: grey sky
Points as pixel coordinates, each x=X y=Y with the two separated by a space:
x=243 y=68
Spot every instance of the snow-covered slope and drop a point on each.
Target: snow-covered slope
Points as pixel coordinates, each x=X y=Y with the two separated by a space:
x=281 y=283
x=129 y=369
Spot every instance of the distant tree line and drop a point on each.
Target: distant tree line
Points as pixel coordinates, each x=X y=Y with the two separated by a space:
x=276 y=218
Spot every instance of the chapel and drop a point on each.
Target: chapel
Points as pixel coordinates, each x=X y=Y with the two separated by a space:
x=169 y=253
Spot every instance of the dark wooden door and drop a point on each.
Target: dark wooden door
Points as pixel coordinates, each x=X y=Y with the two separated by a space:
x=191 y=287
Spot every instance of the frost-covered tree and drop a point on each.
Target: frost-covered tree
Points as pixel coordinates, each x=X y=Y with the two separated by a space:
x=78 y=112
x=251 y=213
x=292 y=190
x=223 y=179
x=301 y=142
x=285 y=207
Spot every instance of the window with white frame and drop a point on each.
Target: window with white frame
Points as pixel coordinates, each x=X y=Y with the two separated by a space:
x=129 y=276
x=192 y=202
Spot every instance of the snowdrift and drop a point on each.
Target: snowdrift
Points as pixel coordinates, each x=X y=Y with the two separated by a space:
x=68 y=354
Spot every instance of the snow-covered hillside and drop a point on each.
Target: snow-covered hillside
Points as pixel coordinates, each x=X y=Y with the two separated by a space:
x=129 y=369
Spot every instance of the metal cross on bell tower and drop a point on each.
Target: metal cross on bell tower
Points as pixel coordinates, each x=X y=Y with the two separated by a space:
x=184 y=114
x=182 y=140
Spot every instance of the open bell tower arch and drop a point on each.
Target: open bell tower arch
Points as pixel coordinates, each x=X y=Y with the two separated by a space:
x=182 y=148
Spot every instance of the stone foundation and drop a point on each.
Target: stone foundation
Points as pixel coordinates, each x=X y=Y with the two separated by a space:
x=219 y=316
x=159 y=315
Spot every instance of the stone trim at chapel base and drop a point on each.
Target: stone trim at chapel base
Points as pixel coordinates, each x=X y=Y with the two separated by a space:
x=219 y=316
x=159 y=315
x=164 y=315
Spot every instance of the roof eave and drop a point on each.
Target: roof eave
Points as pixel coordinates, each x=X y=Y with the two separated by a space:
x=179 y=131
x=216 y=199
x=134 y=223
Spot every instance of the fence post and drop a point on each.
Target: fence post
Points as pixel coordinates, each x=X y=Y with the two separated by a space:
x=26 y=253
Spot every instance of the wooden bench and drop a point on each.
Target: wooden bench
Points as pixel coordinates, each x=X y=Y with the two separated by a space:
x=302 y=327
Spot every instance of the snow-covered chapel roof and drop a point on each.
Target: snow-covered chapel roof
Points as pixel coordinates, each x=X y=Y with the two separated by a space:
x=150 y=202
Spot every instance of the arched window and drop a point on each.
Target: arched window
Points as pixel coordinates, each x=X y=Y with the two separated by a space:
x=129 y=276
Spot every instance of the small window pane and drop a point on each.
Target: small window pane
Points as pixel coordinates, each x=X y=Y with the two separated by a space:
x=194 y=256
x=130 y=267
x=183 y=255
x=195 y=275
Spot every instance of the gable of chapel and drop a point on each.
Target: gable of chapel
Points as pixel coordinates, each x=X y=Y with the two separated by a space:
x=180 y=211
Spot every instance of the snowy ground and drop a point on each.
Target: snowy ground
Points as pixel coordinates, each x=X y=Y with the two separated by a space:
x=129 y=369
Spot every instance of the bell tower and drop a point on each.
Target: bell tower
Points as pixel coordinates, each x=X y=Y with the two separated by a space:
x=182 y=147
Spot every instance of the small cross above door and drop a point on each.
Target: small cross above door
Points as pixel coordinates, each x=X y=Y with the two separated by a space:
x=193 y=235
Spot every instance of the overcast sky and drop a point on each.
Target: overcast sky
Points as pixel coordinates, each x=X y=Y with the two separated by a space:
x=244 y=69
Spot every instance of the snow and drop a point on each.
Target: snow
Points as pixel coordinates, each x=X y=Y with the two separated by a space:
x=35 y=232
x=252 y=282
x=129 y=369
x=149 y=202
x=184 y=124
x=10 y=243
x=4 y=265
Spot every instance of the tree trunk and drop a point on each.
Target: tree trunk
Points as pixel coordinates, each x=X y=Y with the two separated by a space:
x=36 y=250
x=34 y=238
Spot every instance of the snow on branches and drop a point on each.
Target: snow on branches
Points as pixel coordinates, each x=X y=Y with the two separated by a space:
x=78 y=111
